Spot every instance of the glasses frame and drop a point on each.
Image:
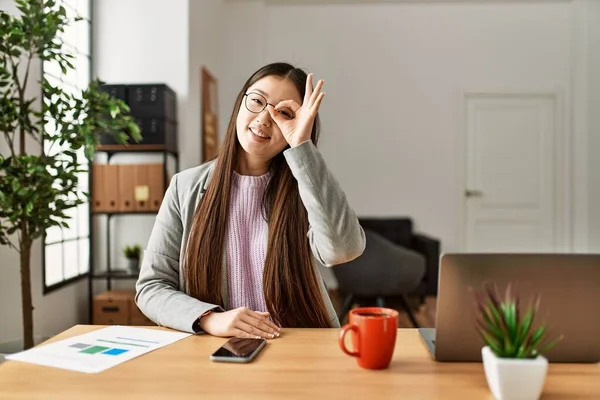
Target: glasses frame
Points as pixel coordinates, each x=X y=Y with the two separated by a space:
x=258 y=94
x=266 y=104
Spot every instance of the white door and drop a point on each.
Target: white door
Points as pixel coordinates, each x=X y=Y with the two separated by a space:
x=511 y=201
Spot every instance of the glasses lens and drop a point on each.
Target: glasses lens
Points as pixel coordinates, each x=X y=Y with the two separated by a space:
x=255 y=102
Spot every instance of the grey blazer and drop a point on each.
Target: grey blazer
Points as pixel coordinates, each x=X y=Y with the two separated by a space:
x=335 y=237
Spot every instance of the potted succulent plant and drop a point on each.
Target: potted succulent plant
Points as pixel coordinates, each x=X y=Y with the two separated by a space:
x=133 y=253
x=513 y=355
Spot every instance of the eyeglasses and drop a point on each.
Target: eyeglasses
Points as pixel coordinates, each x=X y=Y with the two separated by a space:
x=256 y=103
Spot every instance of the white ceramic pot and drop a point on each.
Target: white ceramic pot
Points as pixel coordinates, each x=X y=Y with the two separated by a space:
x=514 y=379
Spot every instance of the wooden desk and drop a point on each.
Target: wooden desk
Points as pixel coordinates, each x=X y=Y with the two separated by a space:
x=302 y=363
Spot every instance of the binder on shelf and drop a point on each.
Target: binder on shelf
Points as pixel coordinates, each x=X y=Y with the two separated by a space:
x=125 y=185
x=125 y=188
x=104 y=192
x=111 y=186
x=141 y=188
x=99 y=203
x=156 y=183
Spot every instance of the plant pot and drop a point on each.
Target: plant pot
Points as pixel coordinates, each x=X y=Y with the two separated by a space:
x=512 y=378
x=133 y=265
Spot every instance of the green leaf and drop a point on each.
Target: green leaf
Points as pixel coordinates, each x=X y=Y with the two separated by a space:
x=511 y=320
x=496 y=316
x=487 y=314
x=495 y=331
x=550 y=345
x=521 y=351
x=508 y=345
x=525 y=326
x=135 y=131
x=490 y=340
x=537 y=336
x=114 y=110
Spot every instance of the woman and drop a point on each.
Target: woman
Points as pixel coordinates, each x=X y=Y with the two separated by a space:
x=235 y=245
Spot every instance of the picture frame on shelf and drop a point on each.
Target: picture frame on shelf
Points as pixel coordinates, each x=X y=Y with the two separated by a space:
x=209 y=124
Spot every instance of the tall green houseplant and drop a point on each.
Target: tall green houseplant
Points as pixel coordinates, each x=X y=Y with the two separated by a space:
x=38 y=185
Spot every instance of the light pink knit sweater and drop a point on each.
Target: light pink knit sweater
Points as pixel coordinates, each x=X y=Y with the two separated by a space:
x=247 y=233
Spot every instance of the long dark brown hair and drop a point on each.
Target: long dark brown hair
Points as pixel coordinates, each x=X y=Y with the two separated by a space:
x=290 y=282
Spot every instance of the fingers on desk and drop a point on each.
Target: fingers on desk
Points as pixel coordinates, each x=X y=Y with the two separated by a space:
x=254 y=325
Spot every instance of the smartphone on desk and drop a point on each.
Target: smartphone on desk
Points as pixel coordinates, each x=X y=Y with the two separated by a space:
x=240 y=350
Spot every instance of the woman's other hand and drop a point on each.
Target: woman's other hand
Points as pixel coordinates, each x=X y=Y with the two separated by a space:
x=240 y=322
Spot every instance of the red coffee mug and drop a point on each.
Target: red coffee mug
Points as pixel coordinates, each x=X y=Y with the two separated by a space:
x=374 y=336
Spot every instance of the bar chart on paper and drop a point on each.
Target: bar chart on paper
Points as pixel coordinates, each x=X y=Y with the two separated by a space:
x=99 y=350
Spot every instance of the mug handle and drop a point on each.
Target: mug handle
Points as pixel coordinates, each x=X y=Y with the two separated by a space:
x=343 y=332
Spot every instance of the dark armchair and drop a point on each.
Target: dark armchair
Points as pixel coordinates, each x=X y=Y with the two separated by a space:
x=400 y=231
x=396 y=263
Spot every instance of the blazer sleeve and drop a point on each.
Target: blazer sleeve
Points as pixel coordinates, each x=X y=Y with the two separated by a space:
x=158 y=293
x=335 y=235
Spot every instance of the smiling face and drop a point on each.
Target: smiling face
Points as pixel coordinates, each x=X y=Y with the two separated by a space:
x=259 y=136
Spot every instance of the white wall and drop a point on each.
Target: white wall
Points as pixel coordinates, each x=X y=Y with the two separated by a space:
x=593 y=87
x=394 y=75
x=54 y=312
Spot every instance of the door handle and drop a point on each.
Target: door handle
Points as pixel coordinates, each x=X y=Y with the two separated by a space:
x=473 y=193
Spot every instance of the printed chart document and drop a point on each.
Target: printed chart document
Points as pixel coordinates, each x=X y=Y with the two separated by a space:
x=99 y=350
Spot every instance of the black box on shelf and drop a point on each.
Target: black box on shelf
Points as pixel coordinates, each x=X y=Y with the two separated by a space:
x=155 y=131
x=119 y=91
x=159 y=131
x=152 y=101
